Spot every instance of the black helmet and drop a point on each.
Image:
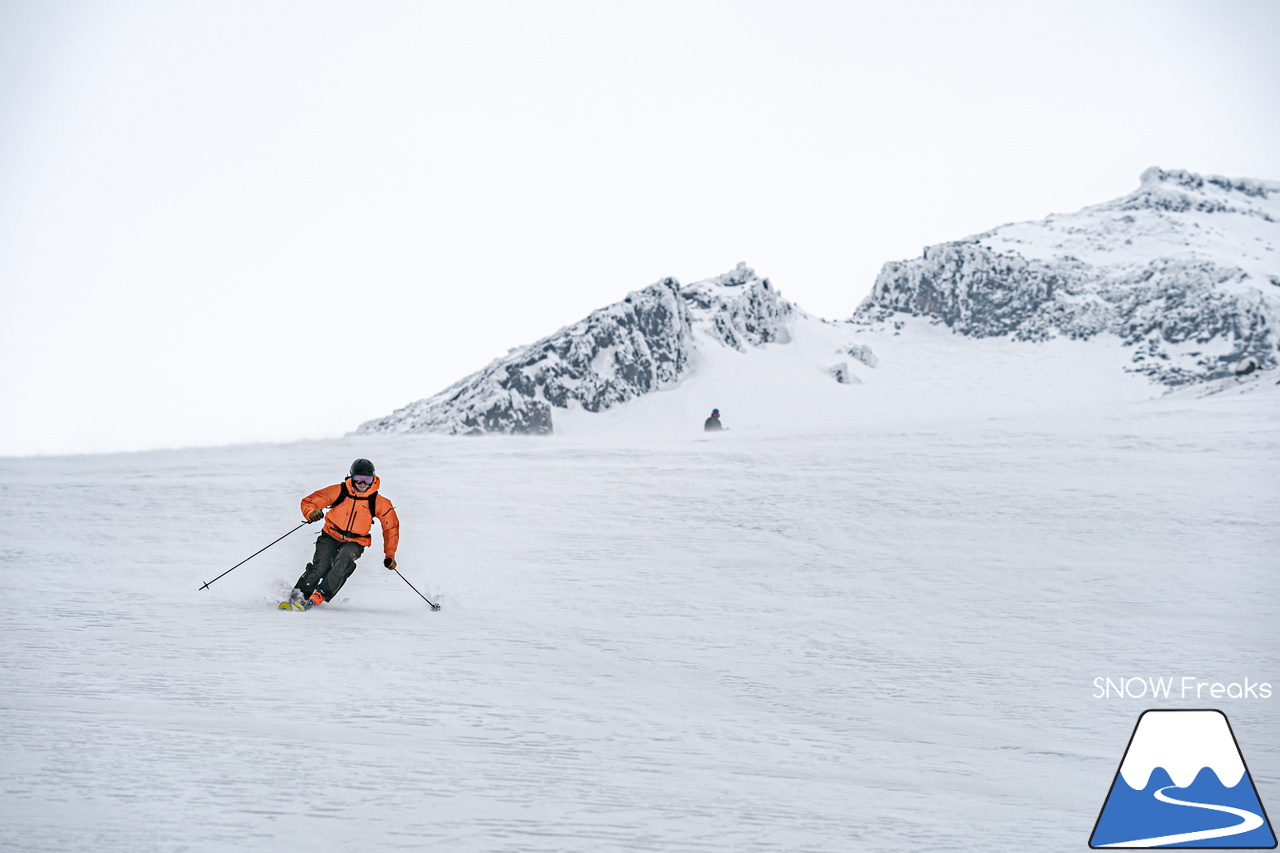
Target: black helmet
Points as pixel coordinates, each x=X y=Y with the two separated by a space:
x=362 y=466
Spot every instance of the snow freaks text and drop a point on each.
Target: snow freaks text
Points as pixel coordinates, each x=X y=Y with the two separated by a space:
x=1186 y=687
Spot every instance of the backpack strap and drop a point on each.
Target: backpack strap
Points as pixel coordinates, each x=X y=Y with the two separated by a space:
x=372 y=499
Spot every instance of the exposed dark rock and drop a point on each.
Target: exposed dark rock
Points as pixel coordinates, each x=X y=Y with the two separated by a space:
x=639 y=345
x=1178 y=300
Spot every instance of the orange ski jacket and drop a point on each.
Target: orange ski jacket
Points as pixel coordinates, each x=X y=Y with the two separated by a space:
x=352 y=518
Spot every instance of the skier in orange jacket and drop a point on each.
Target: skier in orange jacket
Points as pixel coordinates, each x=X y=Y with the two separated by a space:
x=353 y=505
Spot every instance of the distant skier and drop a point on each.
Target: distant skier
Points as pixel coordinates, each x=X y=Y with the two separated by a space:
x=713 y=423
x=353 y=505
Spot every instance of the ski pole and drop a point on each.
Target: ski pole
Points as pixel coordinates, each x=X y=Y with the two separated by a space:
x=251 y=556
x=415 y=589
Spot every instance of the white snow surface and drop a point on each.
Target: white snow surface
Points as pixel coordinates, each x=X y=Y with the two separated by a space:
x=866 y=617
x=1183 y=743
x=924 y=375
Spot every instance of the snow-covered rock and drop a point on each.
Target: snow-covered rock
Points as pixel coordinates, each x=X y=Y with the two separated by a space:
x=1186 y=271
x=642 y=344
x=739 y=309
x=1177 y=283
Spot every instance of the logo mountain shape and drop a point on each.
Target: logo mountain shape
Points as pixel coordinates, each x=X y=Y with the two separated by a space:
x=1183 y=783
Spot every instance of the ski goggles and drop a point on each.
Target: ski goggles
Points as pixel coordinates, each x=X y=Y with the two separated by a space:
x=362 y=480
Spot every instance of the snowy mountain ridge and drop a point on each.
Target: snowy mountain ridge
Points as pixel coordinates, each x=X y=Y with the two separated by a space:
x=1176 y=285
x=644 y=343
x=1185 y=271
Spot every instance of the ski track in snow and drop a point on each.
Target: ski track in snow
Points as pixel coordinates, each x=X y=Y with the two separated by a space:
x=852 y=641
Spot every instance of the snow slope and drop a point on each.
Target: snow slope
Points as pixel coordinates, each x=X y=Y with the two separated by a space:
x=859 y=635
x=869 y=616
x=921 y=375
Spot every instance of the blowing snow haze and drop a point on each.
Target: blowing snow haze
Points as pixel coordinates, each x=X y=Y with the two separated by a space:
x=1174 y=286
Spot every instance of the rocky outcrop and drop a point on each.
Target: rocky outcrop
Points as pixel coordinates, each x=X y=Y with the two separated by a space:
x=639 y=345
x=739 y=309
x=1186 y=271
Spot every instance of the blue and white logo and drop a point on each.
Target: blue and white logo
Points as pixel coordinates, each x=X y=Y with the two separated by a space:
x=1183 y=783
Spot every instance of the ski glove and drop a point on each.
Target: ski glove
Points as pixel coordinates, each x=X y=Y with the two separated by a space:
x=389 y=562
x=315 y=515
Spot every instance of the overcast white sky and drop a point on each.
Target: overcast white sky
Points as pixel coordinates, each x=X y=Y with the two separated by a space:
x=237 y=221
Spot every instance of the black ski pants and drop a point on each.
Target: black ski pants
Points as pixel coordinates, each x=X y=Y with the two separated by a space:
x=333 y=563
